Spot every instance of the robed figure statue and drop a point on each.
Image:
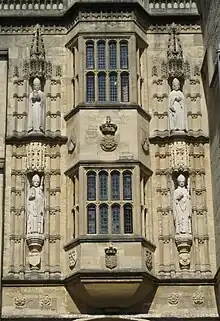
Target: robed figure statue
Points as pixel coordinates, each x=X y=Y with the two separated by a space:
x=182 y=210
x=177 y=109
x=36 y=114
x=35 y=206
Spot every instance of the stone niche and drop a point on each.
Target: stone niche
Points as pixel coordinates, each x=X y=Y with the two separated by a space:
x=110 y=273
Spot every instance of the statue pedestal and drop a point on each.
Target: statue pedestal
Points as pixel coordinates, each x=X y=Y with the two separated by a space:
x=183 y=244
x=35 y=242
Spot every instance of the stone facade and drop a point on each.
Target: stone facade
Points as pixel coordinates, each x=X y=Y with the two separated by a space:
x=106 y=209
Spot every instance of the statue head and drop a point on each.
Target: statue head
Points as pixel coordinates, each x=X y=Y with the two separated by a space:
x=36 y=180
x=181 y=180
x=37 y=84
x=175 y=84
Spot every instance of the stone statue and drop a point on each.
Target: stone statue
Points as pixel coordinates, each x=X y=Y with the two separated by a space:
x=182 y=210
x=36 y=108
x=35 y=206
x=177 y=108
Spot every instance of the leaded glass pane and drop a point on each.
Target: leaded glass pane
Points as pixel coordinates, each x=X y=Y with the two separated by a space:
x=128 y=221
x=102 y=87
x=124 y=55
x=89 y=55
x=91 y=186
x=103 y=186
x=91 y=219
x=113 y=87
x=125 y=87
x=115 y=185
x=101 y=55
x=112 y=55
x=127 y=186
x=103 y=219
x=90 y=88
x=116 y=219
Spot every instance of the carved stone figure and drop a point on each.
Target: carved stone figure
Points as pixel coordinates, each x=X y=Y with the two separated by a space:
x=177 y=108
x=35 y=206
x=36 y=108
x=182 y=207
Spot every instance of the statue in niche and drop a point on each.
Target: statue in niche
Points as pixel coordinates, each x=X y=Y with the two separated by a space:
x=36 y=108
x=182 y=210
x=177 y=108
x=35 y=206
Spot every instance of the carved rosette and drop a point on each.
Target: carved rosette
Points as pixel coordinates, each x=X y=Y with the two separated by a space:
x=179 y=156
x=36 y=157
x=108 y=143
x=111 y=257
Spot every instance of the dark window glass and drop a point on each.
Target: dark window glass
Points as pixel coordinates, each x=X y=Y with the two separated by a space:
x=91 y=186
x=101 y=55
x=127 y=186
x=112 y=55
x=91 y=219
x=103 y=186
x=90 y=88
x=102 y=87
x=90 y=55
x=113 y=87
x=125 y=87
x=103 y=219
x=124 y=55
x=115 y=185
x=128 y=224
x=115 y=219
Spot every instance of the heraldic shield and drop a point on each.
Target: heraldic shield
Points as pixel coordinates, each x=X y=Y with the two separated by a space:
x=111 y=257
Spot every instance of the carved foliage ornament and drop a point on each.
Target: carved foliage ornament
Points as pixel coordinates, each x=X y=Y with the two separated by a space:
x=19 y=301
x=111 y=257
x=198 y=298
x=173 y=299
x=45 y=301
x=108 y=143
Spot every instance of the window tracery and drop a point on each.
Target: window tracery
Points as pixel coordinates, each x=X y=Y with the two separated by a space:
x=106 y=72
x=109 y=202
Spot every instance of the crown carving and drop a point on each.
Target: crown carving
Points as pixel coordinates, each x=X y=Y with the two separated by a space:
x=108 y=128
x=110 y=250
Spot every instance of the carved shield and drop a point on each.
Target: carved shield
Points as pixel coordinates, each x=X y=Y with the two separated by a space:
x=110 y=261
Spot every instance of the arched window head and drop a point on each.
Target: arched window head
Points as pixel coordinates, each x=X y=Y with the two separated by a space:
x=124 y=87
x=101 y=55
x=90 y=62
x=103 y=219
x=113 y=87
x=128 y=219
x=103 y=186
x=91 y=219
x=90 y=87
x=112 y=49
x=91 y=186
x=101 y=86
x=123 y=55
x=116 y=229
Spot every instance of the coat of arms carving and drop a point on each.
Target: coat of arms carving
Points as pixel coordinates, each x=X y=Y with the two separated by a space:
x=111 y=257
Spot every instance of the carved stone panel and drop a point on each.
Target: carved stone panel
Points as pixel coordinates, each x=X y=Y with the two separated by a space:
x=111 y=257
x=36 y=160
x=179 y=160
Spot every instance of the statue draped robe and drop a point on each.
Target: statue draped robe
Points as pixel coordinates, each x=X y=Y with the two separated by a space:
x=36 y=111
